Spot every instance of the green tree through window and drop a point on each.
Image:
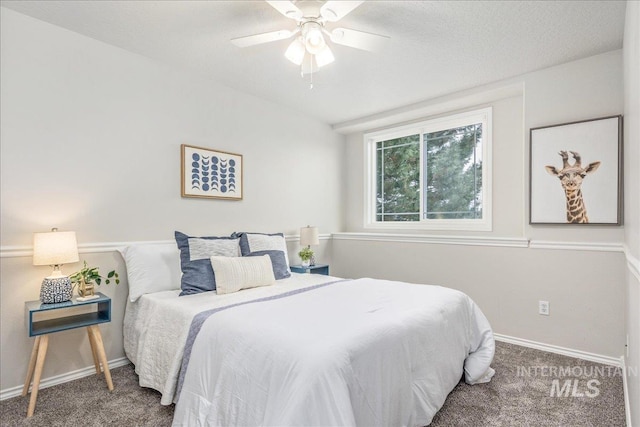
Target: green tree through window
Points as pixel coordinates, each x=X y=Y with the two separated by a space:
x=432 y=171
x=398 y=172
x=453 y=172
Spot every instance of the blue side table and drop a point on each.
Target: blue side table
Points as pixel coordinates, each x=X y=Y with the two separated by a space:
x=313 y=269
x=44 y=319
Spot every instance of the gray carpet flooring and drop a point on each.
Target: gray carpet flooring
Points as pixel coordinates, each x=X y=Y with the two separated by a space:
x=520 y=394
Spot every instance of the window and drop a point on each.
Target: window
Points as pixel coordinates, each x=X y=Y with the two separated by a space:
x=434 y=174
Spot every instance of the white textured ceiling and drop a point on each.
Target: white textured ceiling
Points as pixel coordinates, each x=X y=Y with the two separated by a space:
x=435 y=47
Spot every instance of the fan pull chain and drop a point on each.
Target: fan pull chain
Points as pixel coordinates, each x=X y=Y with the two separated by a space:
x=310 y=72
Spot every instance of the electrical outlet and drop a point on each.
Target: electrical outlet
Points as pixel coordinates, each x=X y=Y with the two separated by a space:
x=543 y=308
x=627 y=346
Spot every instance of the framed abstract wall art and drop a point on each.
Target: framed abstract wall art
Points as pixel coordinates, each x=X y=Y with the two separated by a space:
x=576 y=173
x=210 y=173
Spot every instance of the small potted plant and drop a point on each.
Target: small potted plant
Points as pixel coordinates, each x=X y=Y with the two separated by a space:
x=87 y=275
x=305 y=255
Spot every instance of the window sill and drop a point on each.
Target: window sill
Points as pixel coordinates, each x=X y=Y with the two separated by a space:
x=452 y=225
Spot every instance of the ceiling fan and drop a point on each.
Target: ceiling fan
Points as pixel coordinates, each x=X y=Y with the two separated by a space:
x=309 y=49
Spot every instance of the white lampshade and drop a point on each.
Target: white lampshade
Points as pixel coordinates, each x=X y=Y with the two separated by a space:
x=309 y=236
x=324 y=56
x=55 y=248
x=295 y=52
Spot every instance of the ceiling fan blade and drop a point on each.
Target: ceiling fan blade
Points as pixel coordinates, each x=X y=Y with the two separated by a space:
x=263 y=38
x=357 y=39
x=334 y=10
x=286 y=8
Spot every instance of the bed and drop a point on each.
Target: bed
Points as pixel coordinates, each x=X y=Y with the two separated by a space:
x=307 y=350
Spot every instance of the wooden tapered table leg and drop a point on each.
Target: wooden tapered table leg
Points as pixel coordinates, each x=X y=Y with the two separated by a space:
x=97 y=339
x=93 y=350
x=41 y=326
x=42 y=354
x=32 y=365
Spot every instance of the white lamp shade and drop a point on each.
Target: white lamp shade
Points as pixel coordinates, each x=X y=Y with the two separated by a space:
x=309 y=236
x=55 y=248
x=295 y=52
x=324 y=56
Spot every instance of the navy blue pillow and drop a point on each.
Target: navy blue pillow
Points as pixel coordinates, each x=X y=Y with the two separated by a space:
x=278 y=262
x=258 y=242
x=195 y=252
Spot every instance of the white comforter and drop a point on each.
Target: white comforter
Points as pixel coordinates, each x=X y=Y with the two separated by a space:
x=364 y=352
x=156 y=327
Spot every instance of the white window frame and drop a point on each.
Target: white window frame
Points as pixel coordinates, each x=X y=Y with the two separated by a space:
x=483 y=116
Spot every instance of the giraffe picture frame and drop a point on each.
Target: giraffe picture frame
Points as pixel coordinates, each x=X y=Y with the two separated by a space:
x=575 y=172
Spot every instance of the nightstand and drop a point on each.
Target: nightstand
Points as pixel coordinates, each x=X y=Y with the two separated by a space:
x=313 y=269
x=44 y=319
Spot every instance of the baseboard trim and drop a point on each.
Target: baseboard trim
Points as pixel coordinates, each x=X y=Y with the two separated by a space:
x=625 y=388
x=579 y=354
x=63 y=378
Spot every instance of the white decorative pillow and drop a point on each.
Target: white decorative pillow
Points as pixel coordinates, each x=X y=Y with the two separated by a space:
x=233 y=274
x=152 y=268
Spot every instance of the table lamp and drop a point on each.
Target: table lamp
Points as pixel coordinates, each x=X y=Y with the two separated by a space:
x=55 y=248
x=308 y=237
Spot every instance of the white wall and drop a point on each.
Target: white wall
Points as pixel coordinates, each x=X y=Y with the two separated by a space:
x=90 y=142
x=585 y=285
x=632 y=198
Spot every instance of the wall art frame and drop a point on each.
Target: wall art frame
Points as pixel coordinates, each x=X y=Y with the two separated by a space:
x=575 y=172
x=211 y=174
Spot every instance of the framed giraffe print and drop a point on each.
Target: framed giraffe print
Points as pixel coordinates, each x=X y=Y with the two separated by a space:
x=575 y=172
x=210 y=174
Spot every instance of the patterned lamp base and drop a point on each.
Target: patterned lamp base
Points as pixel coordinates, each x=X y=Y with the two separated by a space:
x=57 y=289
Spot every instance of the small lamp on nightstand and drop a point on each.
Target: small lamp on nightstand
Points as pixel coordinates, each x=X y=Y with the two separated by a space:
x=308 y=237
x=55 y=248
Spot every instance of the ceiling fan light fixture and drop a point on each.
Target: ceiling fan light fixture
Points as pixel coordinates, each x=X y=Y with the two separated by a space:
x=295 y=52
x=313 y=38
x=310 y=47
x=324 y=57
